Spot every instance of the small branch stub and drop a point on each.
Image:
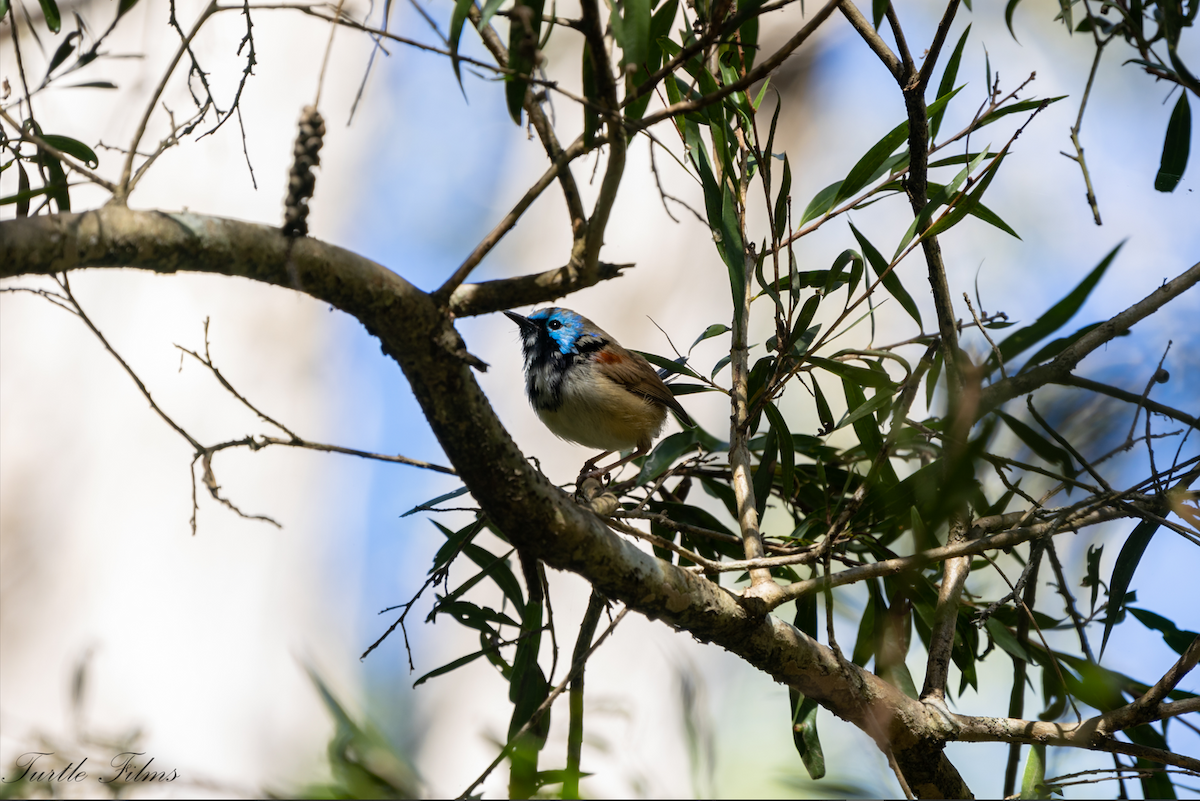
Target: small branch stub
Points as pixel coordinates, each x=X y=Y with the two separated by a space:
x=301 y=181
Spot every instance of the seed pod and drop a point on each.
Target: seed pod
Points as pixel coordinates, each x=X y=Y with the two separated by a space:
x=301 y=181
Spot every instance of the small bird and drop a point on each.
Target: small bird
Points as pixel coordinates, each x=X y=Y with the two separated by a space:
x=588 y=389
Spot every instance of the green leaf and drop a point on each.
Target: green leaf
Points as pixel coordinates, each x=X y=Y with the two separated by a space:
x=428 y=505
x=781 y=202
x=1033 y=785
x=1057 y=346
x=860 y=175
x=1008 y=18
x=968 y=204
x=450 y=666
x=665 y=454
x=489 y=11
x=1038 y=444
x=891 y=281
x=821 y=202
x=523 y=41
x=764 y=473
x=461 y=8
x=124 y=7
x=50 y=12
x=591 y=91
x=859 y=375
x=73 y=147
x=1175 y=146
x=660 y=27
x=1006 y=640
x=714 y=330
x=1178 y=641
x=823 y=411
x=868 y=430
x=1122 y=575
x=947 y=84
x=720 y=205
x=454 y=543
x=1092 y=577
x=1015 y=108
x=1058 y=315
x=804 y=710
x=635 y=25
x=60 y=55
x=878 y=9
x=787 y=455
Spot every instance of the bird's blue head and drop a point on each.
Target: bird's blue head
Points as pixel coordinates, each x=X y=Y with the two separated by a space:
x=554 y=340
x=563 y=326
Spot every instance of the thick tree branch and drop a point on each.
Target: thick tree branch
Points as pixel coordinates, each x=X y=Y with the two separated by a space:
x=537 y=516
x=1093 y=734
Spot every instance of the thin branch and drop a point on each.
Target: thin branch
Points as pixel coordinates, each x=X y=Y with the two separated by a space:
x=1059 y=369
x=124 y=185
x=874 y=41
x=1128 y=397
x=1090 y=734
x=70 y=161
x=970 y=547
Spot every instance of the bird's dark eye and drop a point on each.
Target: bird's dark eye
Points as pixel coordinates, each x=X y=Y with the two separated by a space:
x=554 y=325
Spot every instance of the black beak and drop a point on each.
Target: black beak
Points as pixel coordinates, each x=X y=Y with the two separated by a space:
x=524 y=323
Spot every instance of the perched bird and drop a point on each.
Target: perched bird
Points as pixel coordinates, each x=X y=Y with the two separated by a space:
x=588 y=389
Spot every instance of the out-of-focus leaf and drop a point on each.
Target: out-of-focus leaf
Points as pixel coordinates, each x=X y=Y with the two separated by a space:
x=457 y=18
x=125 y=6
x=947 y=83
x=891 y=281
x=764 y=473
x=804 y=710
x=636 y=25
x=859 y=375
x=1092 y=578
x=73 y=147
x=1057 y=346
x=1122 y=575
x=524 y=33
x=868 y=430
x=1006 y=640
x=1177 y=640
x=50 y=12
x=91 y=85
x=1058 y=315
x=1176 y=146
x=787 y=456
x=60 y=55
x=665 y=454
x=1009 y=9
x=1038 y=444
x=823 y=411
x=56 y=187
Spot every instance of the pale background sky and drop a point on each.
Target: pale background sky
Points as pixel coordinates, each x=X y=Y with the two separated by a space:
x=200 y=641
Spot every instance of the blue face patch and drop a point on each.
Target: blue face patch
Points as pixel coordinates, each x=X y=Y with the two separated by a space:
x=563 y=326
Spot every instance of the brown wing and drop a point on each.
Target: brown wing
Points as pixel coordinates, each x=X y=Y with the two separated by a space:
x=637 y=375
